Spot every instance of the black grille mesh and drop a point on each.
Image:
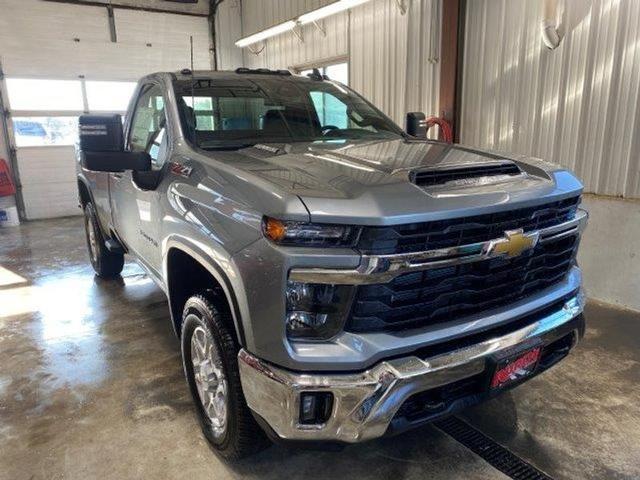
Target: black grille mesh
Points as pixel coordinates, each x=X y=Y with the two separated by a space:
x=433 y=296
x=416 y=237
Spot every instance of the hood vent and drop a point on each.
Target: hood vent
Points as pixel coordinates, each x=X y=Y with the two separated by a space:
x=430 y=178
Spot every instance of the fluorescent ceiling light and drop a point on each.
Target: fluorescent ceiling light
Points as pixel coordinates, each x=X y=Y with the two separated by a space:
x=310 y=17
x=328 y=10
x=264 y=34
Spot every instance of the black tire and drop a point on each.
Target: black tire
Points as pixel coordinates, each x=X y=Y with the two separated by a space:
x=106 y=264
x=241 y=436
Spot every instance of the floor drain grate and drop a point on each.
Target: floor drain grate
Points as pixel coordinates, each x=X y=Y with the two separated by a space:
x=493 y=453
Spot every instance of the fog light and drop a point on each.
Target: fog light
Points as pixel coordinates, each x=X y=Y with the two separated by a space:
x=316 y=311
x=315 y=407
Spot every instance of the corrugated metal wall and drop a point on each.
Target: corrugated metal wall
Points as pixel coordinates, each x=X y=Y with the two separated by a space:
x=261 y=14
x=393 y=58
x=576 y=105
x=286 y=50
x=228 y=30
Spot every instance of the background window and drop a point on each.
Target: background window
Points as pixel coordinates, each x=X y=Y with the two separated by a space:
x=338 y=72
x=60 y=95
x=109 y=96
x=42 y=131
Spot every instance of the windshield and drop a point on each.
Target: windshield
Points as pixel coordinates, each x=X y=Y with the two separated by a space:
x=221 y=114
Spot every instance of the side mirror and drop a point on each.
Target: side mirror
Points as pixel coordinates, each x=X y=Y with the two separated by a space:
x=102 y=146
x=116 y=161
x=416 y=124
x=101 y=133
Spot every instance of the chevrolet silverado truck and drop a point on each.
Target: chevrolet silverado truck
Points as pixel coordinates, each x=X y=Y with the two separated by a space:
x=332 y=278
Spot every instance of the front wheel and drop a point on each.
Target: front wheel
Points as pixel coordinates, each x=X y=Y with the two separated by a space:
x=210 y=360
x=106 y=264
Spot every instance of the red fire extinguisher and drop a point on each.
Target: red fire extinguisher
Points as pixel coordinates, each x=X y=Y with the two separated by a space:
x=6 y=183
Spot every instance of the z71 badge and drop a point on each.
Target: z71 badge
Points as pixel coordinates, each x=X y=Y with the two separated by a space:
x=180 y=169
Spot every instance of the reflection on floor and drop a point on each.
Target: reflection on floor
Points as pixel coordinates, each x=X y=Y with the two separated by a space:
x=91 y=386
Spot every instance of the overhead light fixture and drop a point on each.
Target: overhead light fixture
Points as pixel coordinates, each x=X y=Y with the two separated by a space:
x=264 y=34
x=310 y=17
x=328 y=10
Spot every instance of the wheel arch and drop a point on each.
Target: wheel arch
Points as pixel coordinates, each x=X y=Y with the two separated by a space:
x=84 y=192
x=181 y=259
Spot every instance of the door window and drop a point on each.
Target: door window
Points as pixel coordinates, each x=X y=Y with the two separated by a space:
x=148 y=126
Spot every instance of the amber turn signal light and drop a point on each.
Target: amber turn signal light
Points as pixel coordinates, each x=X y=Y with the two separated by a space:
x=274 y=229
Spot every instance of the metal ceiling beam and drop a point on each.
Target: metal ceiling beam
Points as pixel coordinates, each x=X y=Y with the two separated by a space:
x=128 y=7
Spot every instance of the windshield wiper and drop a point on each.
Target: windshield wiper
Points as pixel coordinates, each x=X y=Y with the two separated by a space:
x=227 y=146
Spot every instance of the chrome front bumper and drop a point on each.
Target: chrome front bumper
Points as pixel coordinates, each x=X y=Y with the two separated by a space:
x=366 y=402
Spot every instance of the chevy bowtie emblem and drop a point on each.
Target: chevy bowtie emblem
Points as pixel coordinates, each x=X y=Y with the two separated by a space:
x=514 y=243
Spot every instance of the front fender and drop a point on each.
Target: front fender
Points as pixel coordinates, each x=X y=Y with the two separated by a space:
x=220 y=266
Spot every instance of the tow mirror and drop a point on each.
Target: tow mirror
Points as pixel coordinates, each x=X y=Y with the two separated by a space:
x=116 y=161
x=101 y=133
x=416 y=124
x=102 y=146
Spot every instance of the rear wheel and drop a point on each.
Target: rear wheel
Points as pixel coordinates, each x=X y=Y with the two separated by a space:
x=210 y=359
x=106 y=264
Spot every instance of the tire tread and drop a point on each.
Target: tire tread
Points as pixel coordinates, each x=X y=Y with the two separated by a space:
x=247 y=437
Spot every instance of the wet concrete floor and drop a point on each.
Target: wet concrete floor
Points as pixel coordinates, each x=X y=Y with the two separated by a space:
x=91 y=386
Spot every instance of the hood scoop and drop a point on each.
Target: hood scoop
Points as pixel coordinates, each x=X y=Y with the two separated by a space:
x=466 y=175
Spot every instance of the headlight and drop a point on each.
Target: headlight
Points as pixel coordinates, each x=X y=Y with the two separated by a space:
x=316 y=311
x=309 y=234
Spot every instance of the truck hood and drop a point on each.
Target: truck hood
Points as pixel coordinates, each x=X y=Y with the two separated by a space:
x=372 y=182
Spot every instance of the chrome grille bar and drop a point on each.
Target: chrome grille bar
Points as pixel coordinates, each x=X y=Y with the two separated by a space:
x=375 y=269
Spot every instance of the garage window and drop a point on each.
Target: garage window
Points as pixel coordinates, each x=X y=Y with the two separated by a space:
x=44 y=131
x=109 y=96
x=45 y=112
x=43 y=95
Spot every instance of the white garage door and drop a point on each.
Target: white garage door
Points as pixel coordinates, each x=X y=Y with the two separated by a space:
x=59 y=62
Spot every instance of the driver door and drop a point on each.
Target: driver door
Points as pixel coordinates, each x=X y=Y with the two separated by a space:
x=135 y=207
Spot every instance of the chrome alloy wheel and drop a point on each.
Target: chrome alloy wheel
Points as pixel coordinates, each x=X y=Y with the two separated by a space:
x=210 y=379
x=93 y=240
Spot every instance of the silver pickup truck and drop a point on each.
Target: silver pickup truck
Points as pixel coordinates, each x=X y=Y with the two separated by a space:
x=332 y=278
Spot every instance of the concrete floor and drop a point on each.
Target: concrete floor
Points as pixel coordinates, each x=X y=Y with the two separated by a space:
x=91 y=386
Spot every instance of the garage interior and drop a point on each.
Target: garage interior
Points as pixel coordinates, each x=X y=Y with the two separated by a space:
x=91 y=382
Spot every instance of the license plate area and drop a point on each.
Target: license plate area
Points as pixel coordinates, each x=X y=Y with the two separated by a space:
x=514 y=365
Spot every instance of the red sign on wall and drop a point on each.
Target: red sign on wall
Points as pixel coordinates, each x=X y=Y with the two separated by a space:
x=6 y=184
